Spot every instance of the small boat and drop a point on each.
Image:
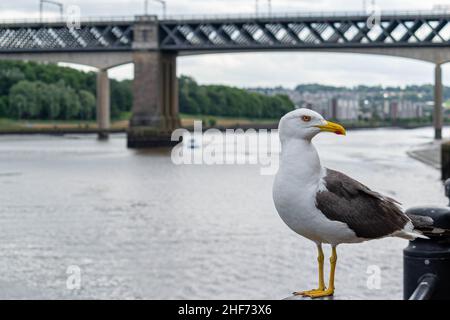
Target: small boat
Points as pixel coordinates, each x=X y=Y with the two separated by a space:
x=192 y=144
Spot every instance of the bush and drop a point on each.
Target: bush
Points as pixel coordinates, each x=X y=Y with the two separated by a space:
x=212 y=122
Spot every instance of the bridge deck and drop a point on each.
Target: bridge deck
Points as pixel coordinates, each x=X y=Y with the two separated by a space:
x=236 y=32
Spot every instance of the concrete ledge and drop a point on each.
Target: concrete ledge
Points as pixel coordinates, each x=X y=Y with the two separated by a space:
x=429 y=153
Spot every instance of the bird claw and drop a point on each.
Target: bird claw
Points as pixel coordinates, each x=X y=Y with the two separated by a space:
x=318 y=293
x=308 y=292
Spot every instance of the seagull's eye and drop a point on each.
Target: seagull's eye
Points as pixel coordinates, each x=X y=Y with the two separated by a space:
x=306 y=118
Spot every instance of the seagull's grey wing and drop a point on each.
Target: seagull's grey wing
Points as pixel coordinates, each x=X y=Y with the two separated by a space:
x=369 y=214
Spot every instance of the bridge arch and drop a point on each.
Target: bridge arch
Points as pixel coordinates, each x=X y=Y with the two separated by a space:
x=432 y=55
x=99 y=60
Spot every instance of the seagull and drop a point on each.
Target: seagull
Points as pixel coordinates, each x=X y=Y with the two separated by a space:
x=325 y=205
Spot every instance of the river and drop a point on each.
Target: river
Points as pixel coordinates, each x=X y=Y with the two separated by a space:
x=136 y=226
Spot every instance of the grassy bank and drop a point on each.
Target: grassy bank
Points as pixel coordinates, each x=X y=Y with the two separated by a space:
x=30 y=125
x=187 y=121
x=10 y=125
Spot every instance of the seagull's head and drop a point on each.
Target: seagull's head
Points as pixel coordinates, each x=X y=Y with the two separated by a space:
x=305 y=124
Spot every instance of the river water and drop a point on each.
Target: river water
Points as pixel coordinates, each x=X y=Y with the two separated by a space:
x=137 y=226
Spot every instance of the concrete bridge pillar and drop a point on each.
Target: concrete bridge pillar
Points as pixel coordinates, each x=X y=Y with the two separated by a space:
x=437 y=116
x=103 y=103
x=155 y=100
x=155 y=89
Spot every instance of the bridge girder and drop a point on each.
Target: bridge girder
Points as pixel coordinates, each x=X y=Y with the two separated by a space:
x=58 y=37
x=305 y=33
x=241 y=34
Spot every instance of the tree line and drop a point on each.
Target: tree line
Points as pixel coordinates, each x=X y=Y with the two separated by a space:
x=222 y=100
x=30 y=90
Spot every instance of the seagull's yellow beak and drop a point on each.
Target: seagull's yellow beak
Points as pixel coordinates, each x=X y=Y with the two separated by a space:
x=332 y=127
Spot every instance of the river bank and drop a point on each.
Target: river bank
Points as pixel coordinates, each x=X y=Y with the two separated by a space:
x=59 y=127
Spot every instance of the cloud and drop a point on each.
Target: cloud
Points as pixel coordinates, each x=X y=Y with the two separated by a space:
x=290 y=69
x=23 y=8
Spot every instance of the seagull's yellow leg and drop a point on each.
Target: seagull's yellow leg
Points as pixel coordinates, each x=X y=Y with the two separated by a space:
x=320 y=260
x=330 y=290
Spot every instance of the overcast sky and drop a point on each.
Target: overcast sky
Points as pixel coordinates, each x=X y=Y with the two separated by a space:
x=263 y=69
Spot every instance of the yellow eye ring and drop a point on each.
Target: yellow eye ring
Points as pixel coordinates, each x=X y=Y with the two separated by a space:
x=306 y=118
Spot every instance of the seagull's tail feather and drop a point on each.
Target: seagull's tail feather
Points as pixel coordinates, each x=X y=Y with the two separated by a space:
x=409 y=233
x=412 y=235
x=424 y=227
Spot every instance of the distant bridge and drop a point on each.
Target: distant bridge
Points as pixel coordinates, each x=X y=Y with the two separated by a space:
x=153 y=45
x=189 y=35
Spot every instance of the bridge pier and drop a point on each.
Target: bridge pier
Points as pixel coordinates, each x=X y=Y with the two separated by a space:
x=103 y=103
x=437 y=116
x=155 y=100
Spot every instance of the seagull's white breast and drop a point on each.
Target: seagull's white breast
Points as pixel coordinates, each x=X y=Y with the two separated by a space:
x=294 y=193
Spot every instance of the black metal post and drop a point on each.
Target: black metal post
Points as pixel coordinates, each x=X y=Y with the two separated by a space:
x=426 y=262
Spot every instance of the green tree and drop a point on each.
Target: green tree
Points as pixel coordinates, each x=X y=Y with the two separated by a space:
x=88 y=105
x=229 y=101
x=23 y=100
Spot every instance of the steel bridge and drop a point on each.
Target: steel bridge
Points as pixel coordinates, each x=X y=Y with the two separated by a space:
x=279 y=33
x=194 y=34
x=153 y=45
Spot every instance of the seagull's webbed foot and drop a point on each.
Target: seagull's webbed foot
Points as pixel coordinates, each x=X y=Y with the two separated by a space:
x=308 y=292
x=318 y=293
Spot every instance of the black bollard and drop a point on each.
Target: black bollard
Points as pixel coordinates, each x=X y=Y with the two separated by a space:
x=445 y=160
x=426 y=262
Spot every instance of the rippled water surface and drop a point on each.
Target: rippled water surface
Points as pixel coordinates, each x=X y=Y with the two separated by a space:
x=139 y=226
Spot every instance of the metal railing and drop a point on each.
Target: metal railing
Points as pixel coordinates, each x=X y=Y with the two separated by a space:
x=237 y=16
x=63 y=20
x=301 y=14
